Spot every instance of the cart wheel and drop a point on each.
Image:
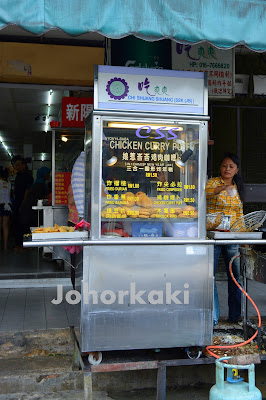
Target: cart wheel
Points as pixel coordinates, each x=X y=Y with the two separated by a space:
x=95 y=358
x=194 y=352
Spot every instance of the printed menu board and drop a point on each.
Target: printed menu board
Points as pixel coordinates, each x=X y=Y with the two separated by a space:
x=62 y=182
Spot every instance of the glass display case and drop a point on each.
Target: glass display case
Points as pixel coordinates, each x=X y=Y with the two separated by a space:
x=149 y=177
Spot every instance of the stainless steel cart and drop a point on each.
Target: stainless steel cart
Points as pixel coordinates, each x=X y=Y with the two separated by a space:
x=145 y=178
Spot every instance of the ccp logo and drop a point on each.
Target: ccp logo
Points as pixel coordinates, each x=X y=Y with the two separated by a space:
x=161 y=134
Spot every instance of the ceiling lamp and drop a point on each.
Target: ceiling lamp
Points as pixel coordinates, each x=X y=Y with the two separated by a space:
x=185 y=156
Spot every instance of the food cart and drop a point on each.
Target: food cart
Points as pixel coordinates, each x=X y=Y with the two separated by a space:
x=147 y=266
x=147 y=273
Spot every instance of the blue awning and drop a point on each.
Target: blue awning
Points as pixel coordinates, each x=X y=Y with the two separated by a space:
x=225 y=23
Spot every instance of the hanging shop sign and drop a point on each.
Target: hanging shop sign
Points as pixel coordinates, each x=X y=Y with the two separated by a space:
x=150 y=90
x=207 y=58
x=133 y=52
x=48 y=64
x=62 y=182
x=75 y=110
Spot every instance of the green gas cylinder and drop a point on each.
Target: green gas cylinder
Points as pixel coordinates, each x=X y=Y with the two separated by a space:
x=234 y=387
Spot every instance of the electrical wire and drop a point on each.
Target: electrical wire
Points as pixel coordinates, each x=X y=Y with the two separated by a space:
x=254 y=305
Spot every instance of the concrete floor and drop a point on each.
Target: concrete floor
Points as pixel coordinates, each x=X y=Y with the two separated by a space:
x=199 y=393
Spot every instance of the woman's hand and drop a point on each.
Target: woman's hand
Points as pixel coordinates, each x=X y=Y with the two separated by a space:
x=219 y=189
x=231 y=190
x=228 y=188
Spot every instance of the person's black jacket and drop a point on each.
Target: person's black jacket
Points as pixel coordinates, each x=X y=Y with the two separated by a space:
x=28 y=216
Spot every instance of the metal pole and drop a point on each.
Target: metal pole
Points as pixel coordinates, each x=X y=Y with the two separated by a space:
x=244 y=298
x=87 y=385
x=53 y=167
x=238 y=135
x=161 y=382
x=138 y=241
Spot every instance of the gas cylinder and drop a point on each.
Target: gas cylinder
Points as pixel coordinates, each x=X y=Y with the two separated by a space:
x=234 y=387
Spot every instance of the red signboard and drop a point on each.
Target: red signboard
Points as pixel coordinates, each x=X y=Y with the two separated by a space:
x=62 y=181
x=75 y=110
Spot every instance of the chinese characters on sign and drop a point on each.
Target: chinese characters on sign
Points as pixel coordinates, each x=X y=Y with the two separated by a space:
x=75 y=111
x=150 y=186
x=172 y=92
x=62 y=181
x=204 y=57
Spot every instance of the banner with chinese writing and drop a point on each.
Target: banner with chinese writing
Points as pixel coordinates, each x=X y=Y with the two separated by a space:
x=75 y=110
x=207 y=58
x=62 y=181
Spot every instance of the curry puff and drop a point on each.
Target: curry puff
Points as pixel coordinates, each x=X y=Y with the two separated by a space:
x=55 y=228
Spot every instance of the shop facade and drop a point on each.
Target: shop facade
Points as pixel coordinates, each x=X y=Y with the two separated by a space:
x=233 y=115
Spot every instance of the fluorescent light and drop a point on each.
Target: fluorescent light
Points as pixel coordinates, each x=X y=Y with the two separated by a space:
x=50 y=97
x=43 y=156
x=46 y=124
x=48 y=109
x=130 y=125
x=6 y=148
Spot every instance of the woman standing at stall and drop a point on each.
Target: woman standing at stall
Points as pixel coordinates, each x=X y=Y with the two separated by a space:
x=225 y=194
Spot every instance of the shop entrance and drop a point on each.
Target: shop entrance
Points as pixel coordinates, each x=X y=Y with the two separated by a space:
x=25 y=114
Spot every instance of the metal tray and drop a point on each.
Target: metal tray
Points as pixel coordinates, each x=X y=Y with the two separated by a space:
x=234 y=235
x=61 y=235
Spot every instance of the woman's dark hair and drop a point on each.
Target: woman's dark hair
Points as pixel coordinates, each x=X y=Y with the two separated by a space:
x=4 y=172
x=237 y=178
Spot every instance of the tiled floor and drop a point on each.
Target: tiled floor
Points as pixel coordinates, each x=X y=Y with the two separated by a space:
x=25 y=309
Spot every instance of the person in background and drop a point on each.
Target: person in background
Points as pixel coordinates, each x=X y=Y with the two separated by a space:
x=38 y=191
x=23 y=182
x=5 y=204
x=225 y=194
